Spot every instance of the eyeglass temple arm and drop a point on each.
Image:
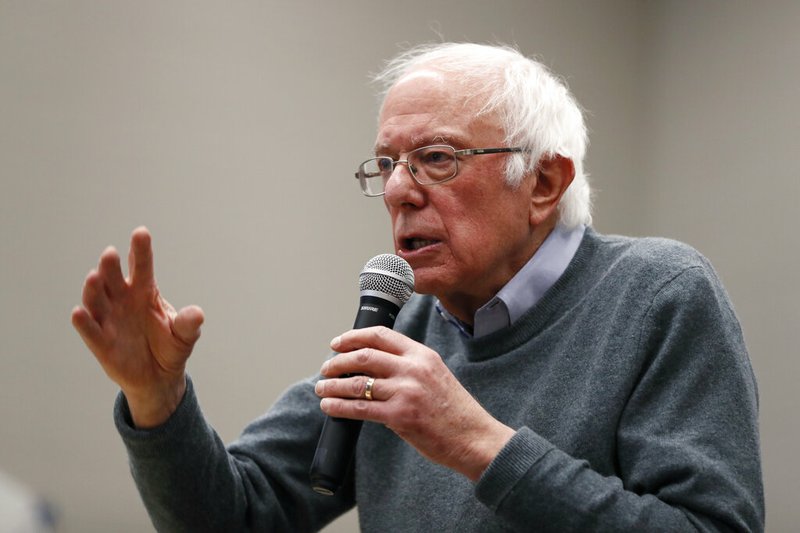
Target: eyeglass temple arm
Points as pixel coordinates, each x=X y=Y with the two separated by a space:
x=479 y=151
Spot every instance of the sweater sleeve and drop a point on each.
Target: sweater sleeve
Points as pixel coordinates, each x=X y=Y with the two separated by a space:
x=189 y=481
x=687 y=441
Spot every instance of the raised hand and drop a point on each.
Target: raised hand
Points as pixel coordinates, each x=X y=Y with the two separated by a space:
x=138 y=338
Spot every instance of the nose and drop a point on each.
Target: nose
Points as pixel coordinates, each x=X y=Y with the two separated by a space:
x=402 y=189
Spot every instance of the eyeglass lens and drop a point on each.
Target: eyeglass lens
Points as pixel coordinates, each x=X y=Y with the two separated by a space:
x=429 y=164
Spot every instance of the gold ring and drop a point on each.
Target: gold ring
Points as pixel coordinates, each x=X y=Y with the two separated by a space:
x=368 y=389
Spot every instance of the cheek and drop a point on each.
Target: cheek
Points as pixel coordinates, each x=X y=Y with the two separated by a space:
x=470 y=240
x=494 y=231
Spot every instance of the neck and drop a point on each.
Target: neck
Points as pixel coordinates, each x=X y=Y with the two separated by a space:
x=464 y=304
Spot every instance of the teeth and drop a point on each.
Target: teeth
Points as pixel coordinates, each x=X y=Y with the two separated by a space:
x=416 y=244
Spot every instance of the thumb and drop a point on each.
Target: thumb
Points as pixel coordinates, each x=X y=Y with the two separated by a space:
x=186 y=324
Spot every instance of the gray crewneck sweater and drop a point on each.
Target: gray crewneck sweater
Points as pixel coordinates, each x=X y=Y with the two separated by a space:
x=629 y=385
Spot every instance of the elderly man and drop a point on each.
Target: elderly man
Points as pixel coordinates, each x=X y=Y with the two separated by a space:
x=545 y=377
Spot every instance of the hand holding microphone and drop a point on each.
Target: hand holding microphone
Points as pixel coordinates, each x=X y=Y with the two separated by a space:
x=386 y=283
x=411 y=391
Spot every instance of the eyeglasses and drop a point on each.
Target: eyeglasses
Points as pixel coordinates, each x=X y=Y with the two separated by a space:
x=428 y=165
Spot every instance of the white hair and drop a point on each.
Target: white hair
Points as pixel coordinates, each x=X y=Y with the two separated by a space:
x=535 y=108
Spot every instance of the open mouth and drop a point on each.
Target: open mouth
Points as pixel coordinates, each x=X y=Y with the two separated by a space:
x=415 y=243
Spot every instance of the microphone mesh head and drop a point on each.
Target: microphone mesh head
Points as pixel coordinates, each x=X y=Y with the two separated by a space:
x=389 y=274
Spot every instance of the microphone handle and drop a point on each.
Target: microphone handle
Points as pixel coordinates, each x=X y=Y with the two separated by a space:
x=337 y=441
x=375 y=311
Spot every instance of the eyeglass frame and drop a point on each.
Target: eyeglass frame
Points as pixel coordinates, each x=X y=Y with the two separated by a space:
x=456 y=154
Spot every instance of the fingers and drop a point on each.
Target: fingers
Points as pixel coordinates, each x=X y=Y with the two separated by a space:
x=378 y=354
x=89 y=330
x=354 y=387
x=186 y=325
x=375 y=351
x=347 y=397
x=363 y=361
x=99 y=289
x=140 y=258
x=103 y=285
x=111 y=272
x=94 y=297
x=378 y=337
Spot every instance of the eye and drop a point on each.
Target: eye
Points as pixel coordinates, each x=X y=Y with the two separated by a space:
x=385 y=164
x=435 y=156
x=433 y=164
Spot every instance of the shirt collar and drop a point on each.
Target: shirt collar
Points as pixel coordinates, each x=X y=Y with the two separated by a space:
x=527 y=286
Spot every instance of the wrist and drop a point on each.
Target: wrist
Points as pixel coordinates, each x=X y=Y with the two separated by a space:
x=153 y=407
x=486 y=449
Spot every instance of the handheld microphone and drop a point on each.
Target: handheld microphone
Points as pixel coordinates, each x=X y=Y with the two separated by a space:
x=386 y=283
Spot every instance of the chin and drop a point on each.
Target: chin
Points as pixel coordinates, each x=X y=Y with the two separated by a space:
x=427 y=282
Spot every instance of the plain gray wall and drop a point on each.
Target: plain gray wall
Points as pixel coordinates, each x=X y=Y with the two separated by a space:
x=232 y=131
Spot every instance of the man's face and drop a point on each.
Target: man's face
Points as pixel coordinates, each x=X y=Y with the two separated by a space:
x=467 y=237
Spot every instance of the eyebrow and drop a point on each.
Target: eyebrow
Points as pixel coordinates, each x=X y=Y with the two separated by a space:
x=419 y=141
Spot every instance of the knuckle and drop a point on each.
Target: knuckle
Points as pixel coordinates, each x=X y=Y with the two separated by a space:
x=357 y=386
x=418 y=370
x=430 y=357
x=428 y=363
x=363 y=357
x=415 y=396
x=361 y=406
x=409 y=418
x=329 y=367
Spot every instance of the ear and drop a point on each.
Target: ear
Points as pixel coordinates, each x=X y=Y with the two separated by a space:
x=552 y=177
